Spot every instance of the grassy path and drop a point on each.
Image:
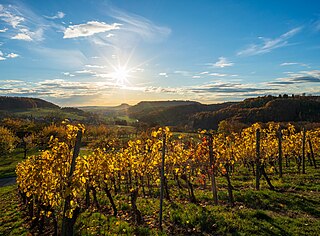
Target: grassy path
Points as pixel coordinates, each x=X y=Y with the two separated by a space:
x=7 y=181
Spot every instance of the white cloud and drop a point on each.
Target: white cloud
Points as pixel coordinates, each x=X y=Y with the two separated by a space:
x=219 y=74
x=95 y=66
x=204 y=73
x=3 y=30
x=88 y=29
x=27 y=35
x=269 y=44
x=12 y=55
x=68 y=74
x=21 y=36
x=84 y=72
x=10 y=18
x=2 y=58
x=59 y=15
x=109 y=35
x=163 y=74
x=289 y=63
x=222 y=62
x=196 y=77
x=293 y=63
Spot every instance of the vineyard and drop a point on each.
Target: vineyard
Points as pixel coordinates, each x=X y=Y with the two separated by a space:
x=114 y=183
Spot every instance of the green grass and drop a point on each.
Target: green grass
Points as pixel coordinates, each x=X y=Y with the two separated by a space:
x=293 y=209
x=47 y=112
x=9 y=162
x=11 y=218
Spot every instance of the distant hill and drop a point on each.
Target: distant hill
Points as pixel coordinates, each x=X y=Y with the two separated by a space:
x=39 y=109
x=145 y=107
x=106 y=109
x=16 y=103
x=263 y=109
x=183 y=114
x=170 y=113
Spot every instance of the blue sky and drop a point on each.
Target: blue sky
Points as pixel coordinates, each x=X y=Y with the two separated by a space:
x=81 y=52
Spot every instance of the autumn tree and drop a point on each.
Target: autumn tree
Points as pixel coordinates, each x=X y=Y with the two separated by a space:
x=7 y=141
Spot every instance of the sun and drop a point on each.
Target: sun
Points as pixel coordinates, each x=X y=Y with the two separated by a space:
x=121 y=75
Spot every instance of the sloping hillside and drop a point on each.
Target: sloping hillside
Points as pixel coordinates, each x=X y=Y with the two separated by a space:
x=175 y=115
x=145 y=107
x=35 y=108
x=263 y=109
x=15 y=103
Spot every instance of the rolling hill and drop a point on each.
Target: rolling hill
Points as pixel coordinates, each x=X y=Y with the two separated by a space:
x=263 y=109
x=183 y=114
x=39 y=109
x=16 y=103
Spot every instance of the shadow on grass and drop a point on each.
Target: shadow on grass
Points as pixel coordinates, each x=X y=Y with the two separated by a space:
x=279 y=202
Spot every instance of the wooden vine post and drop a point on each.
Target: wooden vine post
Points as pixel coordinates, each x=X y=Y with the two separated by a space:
x=312 y=153
x=162 y=180
x=212 y=171
x=67 y=223
x=304 y=151
x=280 y=151
x=258 y=159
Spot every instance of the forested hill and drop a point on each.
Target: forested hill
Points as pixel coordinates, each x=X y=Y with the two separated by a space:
x=16 y=103
x=263 y=109
x=150 y=106
x=174 y=114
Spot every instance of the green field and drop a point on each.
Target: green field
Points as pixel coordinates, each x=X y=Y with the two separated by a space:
x=46 y=112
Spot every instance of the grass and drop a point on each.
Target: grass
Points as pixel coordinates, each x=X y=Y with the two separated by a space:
x=47 y=112
x=11 y=218
x=293 y=209
x=8 y=163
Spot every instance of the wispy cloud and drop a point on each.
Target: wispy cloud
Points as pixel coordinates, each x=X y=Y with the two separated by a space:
x=88 y=29
x=221 y=63
x=213 y=90
x=23 y=23
x=289 y=63
x=316 y=25
x=269 y=44
x=10 y=17
x=58 y=15
x=302 y=77
x=67 y=58
x=141 y=26
x=61 y=89
x=229 y=88
x=182 y=72
x=294 y=63
x=219 y=74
